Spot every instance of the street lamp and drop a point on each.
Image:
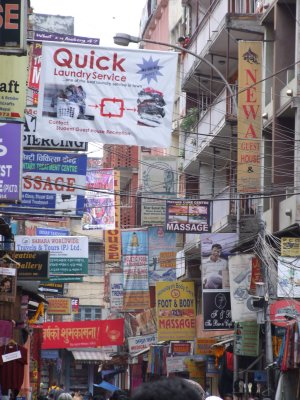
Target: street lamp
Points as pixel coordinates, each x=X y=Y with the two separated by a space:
x=123 y=39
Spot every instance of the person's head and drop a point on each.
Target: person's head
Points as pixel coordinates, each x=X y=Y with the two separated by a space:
x=228 y=396
x=65 y=396
x=166 y=388
x=213 y=398
x=216 y=251
x=119 y=395
x=6 y=285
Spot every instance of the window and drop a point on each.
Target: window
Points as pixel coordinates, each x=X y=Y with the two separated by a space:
x=96 y=260
x=87 y=313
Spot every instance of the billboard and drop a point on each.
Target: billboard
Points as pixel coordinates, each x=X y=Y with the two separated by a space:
x=159 y=175
x=176 y=311
x=53 y=183
x=10 y=160
x=13 y=72
x=249 y=116
x=162 y=255
x=188 y=216
x=68 y=254
x=59 y=306
x=113 y=96
x=13 y=26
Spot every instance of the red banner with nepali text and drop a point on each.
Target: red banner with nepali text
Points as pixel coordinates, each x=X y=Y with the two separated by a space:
x=61 y=335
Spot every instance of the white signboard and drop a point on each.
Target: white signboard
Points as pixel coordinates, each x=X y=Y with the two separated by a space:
x=116 y=291
x=176 y=364
x=240 y=271
x=106 y=95
x=288 y=277
x=68 y=254
x=139 y=343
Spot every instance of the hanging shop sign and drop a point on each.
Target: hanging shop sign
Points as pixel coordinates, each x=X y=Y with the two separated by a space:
x=51 y=288
x=8 y=283
x=113 y=236
x=59 y=306
x=246 y=340
x=53 y=184
x=138 y=343
x=124 y=96
x=175 y=309
x=31 y=265
x=116 y=291
x=249 y=116
x=216 y=310
x=288 y=281
x=11 y=162
x=13 y=72
x=13 y=26
x=59 y=335
x=68 y=254
x=188 y=216
x=290 y=247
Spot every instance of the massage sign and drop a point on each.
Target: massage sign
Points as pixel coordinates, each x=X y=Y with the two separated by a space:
x=249 y=116
x=175 y=309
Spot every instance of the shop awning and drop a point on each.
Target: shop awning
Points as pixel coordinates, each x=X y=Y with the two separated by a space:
x=107 y=386
x=90 y=355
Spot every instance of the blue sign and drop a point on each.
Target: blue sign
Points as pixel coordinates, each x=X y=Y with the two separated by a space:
x=52 y=232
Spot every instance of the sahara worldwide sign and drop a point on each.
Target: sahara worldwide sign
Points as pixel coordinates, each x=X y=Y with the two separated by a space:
x=176 y=312
x=106 y=95
x=10 y=162
x=249 y=116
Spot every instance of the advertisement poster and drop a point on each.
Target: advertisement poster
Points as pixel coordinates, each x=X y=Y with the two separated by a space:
x=188 y=216
x=159 y=175
x=249 y=122
x=10 y=162
x=116 y=96
x=290 y=247
x=288 y=277
x=113 y=236
x=68 y=254
x=146 y=321
x=135 y=269
x=52 y=183
x=153 y=212
x=215 y=249
x=162 y=255
x=246 y=341
x=240 y=273
x=99 y=207
x=116 y=291
x=61 y=335
x=13 y=72
x=176 y=311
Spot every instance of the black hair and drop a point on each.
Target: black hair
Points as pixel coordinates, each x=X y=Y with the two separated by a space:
x=217 y=245
x=166 y=388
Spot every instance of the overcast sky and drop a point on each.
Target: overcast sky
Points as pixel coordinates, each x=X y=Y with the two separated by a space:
x=96 y=18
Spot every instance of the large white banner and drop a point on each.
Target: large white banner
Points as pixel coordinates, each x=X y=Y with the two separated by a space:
x=240 y=272
x=106 y=95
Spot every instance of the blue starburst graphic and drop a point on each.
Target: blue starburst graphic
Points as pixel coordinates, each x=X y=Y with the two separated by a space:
x=149 y=69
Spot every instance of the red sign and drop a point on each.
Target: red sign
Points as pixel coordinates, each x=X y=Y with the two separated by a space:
x=61 y=335
x=282 y=310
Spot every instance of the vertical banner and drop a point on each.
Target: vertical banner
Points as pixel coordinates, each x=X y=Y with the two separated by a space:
x=162 y=255
x=13 y=72
x=113 y=237
x=246 y=337
x=249 y=116
x=215 y=249
x=176 y=311
x=135 y=269
x=240 y=271
x=99 y=208
x=107 y=95
x=10 y=160
x=116 y=291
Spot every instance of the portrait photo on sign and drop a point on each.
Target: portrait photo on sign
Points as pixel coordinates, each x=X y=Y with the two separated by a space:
x=7 y=284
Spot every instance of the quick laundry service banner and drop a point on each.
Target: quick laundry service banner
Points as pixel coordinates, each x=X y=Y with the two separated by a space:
x=176 y=312
x=106 y=95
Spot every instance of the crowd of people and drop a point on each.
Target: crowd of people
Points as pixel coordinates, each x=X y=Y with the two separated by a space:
x=162 y=389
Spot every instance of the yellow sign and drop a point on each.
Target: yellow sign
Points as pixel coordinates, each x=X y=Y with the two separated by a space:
x=113 y=237
x=290 y=247
x=59 y=306
x=203 y=346
x=249 y=116
x=175 y=309
x=13 y=72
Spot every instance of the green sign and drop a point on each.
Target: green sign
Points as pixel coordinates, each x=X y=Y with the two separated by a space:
x=246 y=341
